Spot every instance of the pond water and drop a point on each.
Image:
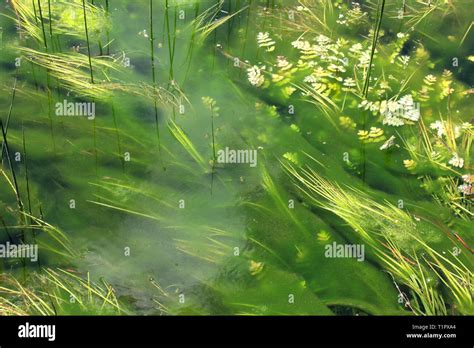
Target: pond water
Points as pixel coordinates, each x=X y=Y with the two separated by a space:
x=139 y=190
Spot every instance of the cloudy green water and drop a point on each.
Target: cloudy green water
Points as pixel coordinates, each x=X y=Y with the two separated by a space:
x=187 y=226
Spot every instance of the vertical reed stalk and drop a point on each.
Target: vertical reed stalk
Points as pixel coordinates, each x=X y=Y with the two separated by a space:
x=153 y=73
x=365 y=90
x=99 y=43
x=42 y=25
x=107 y=32
x=87 y=39
x=10 y=109
x=58 y=44
x=189 y=56
x=50 y=22
x=47 y=76
x=12 y=170
x=34 y=11
x=244 y=46
x=152 y=47
x=171 y=44
x=213 y=137
x=92 y=81
x=214 y=157
x=174 y=38
x=380 y=9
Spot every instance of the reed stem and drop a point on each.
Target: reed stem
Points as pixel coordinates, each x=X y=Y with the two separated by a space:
x=12 y=170
x=365 y=91
x=10 y=109
x=34 y=11
x=153 y=73
x=170 y=45
x=189 y=55
x=50 y=21
x=107 y=32
x=87 y=39
x=42 y=26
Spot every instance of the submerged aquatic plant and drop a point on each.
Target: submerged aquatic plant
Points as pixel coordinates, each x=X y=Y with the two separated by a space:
x=66 y=17
x=348 y=85
x=401 y=242
x=57 y=292
x=87 y=22
x=184 y=140
x=381 y=103
x=69 y=69
x=208 y=21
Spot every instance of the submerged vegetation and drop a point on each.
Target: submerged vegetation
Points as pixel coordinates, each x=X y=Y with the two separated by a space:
x=360 y=115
